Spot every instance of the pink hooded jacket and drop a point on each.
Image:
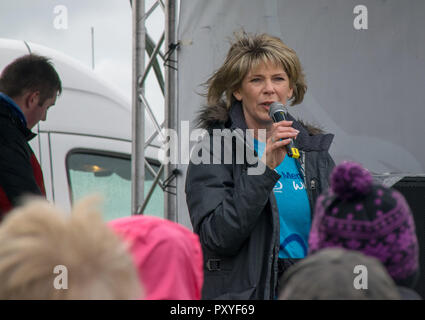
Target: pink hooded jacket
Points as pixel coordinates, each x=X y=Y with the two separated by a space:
x=167 y=255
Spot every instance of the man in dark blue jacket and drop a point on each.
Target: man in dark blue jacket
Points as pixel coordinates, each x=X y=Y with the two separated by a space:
x=28 y=88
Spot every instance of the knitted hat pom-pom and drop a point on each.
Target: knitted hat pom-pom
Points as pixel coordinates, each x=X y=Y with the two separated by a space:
x=350 y=180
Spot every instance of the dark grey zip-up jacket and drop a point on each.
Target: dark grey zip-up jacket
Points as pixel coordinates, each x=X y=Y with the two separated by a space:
x=235 y=213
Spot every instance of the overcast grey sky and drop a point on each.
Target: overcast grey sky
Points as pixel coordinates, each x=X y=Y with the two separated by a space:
x=34 y=21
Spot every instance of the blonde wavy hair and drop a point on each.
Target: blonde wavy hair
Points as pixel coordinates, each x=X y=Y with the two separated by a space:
x=37 y=237
x=246 y=52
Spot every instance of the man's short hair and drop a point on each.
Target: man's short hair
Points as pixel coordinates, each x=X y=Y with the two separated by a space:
x=37 y=241
x=30 y=72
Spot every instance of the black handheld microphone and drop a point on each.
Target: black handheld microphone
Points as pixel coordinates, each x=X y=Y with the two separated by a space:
x=277 y=113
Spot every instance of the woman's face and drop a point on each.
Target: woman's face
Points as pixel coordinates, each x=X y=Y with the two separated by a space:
x=263 y=85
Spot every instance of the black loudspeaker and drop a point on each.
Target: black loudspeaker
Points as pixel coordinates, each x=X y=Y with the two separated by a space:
x=413 y=189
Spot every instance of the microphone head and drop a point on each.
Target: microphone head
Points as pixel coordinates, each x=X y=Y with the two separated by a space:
x=276 y=106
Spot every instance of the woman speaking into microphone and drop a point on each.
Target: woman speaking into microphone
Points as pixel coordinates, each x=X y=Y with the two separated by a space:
x=253 y=227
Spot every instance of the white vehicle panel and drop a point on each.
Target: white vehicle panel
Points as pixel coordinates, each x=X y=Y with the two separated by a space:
x=62 y=144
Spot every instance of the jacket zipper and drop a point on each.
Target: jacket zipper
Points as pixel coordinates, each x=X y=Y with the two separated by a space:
x=309 y=187
x=302 y=166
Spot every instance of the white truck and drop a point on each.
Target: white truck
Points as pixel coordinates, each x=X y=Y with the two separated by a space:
x=84 y=146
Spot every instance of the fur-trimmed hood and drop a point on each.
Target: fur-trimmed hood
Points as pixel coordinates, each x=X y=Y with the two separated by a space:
x=310 y=138
x=211 y=116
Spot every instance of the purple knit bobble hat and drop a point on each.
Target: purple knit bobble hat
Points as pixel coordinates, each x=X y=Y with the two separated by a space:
x=357 y=214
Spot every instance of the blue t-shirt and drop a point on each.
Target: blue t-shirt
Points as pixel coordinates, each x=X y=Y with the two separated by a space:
x=293 y=206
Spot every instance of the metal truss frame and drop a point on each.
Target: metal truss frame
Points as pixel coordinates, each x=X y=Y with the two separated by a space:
x=167 y=81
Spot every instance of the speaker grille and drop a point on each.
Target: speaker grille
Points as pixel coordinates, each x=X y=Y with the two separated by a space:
x=413 y=189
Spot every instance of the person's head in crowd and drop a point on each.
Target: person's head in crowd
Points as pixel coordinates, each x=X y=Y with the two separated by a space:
x=168 y=257
x=357 y=214
x=338 y=274
x=33 y=83
x=48 y=254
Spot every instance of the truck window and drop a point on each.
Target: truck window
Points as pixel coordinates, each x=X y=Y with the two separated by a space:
x=110 y=176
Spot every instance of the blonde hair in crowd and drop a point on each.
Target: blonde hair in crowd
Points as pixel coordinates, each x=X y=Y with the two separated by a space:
x=37 y=237
x=246 y=52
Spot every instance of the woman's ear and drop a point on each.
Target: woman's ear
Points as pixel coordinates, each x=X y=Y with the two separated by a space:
x=290 y=94
x=237 y=95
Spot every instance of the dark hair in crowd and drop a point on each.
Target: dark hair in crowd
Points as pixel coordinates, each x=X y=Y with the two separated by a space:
x=30 y=72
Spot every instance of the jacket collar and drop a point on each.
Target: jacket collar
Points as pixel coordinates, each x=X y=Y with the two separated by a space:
x=305 y=140
x=237 y=117
x=8 y=111
x=310 y=142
